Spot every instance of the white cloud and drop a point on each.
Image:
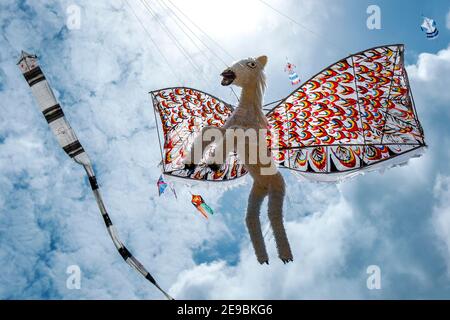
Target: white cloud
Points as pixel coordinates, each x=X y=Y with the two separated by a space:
x=441 y=215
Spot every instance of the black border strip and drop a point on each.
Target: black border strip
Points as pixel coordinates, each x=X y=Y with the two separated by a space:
x=53 y=113
x=324 y=69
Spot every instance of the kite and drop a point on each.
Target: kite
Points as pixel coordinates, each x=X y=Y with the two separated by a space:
x=429 y=27
x=201 y=206
x=69 y=142
x=162 y=186
x=354 y=116
x=293 y=76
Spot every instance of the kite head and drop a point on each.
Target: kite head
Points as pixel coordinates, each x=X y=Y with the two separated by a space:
x=27 y=62
x=245 y=72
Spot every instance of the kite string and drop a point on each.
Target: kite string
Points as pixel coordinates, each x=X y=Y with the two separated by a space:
x=177 y=43
x=163 y=26
x=176 y=18
x=234 y=93
x=181 y=48
x=154 y=43
x=213 y=41
x=203 y=42
x=174 y=39
x=336 y=46
x=202 y=31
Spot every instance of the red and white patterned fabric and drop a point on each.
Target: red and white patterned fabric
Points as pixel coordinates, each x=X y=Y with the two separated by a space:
x=356 y=115
x=183 y=112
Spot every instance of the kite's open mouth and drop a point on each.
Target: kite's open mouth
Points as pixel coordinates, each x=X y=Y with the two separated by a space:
x=228 y=77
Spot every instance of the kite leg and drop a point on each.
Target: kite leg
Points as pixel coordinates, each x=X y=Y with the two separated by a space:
x=276 y=196
x=255 y=200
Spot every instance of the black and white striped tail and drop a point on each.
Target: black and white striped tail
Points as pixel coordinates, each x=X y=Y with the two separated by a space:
x=123 y=251
x=67 y=139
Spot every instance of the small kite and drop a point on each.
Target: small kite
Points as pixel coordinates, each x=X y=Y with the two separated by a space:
x=201 y=206
x=293 y=76
x=429 y=27
x=162 y=186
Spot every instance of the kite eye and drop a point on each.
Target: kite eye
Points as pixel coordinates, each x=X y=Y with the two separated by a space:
x=251 y=64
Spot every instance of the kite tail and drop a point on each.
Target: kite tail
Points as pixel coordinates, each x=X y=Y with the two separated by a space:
x=123 y=251
x=207 y=208
x=69 y=142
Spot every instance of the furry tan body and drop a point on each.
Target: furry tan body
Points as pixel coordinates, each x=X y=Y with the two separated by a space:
x=249 y=75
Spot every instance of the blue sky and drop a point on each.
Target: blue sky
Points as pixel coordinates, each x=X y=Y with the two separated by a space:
x=101 y=73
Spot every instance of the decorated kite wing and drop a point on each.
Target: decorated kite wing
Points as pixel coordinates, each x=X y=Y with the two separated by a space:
x=183 y=113
x=357 y=114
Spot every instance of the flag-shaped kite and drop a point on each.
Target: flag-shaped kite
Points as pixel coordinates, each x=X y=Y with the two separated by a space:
x=162 y=186
x=354 y=116
x=293 y=76
x=429 y=27
x=201 y=206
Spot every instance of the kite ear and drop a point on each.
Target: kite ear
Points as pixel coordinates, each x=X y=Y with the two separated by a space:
x=262 y=60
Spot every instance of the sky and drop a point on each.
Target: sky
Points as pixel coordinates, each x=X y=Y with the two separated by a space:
x=102 y=70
